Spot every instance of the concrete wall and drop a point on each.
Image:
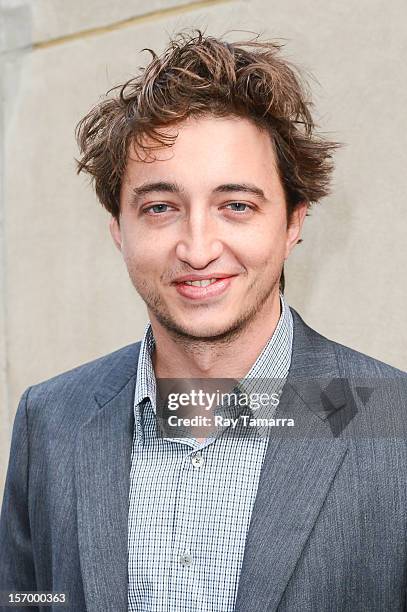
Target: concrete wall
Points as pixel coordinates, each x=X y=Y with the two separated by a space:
x=66 y=297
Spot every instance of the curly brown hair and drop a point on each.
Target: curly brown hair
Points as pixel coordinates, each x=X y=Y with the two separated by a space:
x=199 y=75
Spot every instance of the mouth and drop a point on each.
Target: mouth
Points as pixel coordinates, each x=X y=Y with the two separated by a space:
x=205 y=288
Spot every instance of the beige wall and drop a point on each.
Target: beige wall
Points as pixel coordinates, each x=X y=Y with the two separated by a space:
x=66 y=297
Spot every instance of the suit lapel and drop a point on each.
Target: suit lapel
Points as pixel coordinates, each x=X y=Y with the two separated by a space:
x=297 y=471
x=102 y=469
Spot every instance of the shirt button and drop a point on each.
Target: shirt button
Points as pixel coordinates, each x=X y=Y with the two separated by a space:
x=185 y=559
x=197 y=460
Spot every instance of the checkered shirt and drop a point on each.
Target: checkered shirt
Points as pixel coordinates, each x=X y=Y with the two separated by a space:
x=190 y=503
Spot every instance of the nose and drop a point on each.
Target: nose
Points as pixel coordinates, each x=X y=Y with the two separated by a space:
x=199 y=242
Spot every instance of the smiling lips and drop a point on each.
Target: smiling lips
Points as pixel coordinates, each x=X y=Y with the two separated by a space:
x=197 y=287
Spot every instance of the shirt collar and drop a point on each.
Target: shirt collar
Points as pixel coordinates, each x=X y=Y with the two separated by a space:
x=273 y=362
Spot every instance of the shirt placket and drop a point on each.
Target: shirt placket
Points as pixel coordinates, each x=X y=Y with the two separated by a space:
x=186 y=592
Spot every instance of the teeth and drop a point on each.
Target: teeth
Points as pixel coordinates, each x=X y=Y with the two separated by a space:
x=201 y=283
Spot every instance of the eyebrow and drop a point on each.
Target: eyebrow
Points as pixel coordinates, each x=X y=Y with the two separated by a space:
x=146 y=188
x=241 y=187
x=157 y=186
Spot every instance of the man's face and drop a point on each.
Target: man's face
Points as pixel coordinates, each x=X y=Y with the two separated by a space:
x=210 y=207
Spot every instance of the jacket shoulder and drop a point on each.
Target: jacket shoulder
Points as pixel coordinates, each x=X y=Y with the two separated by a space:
x=350 y=361
x=357 y=363
x=83 y=381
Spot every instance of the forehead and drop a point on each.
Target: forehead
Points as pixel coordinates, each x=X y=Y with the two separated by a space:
x=206 y=144
x=207 y=155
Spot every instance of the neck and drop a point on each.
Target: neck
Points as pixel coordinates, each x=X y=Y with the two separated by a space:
x=200 y=359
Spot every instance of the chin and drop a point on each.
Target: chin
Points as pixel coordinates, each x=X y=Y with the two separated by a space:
x=206 y=331
x=210 y=329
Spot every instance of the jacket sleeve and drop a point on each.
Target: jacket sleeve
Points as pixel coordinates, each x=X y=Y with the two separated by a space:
x=16 y=556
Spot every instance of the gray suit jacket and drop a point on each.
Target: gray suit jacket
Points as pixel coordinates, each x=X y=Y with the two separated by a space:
x=328 y=528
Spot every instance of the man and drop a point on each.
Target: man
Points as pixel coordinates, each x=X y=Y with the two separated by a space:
x=208 y=161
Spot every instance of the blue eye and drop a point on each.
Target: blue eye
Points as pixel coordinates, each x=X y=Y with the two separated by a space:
x=157 y=208
x=239 y=206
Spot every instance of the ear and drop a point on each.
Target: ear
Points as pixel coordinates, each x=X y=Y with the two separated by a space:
x=295 y=226
x=115 y=231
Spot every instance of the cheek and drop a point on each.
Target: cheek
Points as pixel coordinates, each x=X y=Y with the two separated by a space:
x=265 y=248
x=142 y=258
